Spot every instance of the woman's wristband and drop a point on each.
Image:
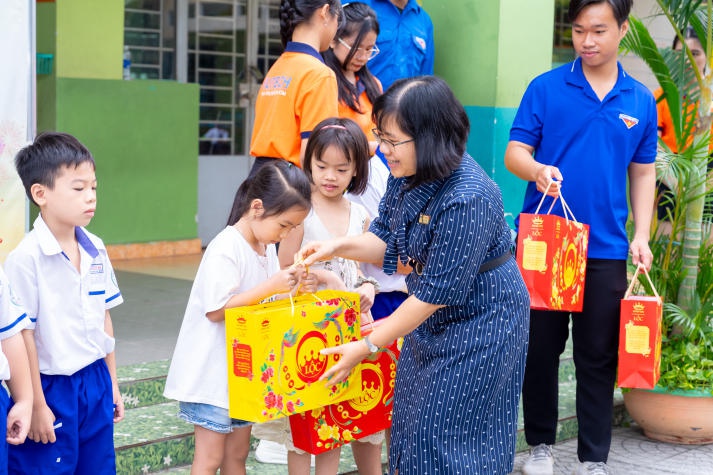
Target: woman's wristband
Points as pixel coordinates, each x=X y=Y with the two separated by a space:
x=372 y=347
x=361 y=280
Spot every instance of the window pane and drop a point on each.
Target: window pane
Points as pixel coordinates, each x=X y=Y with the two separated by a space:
x=215 y=79
x=214 y=61
x=143 y=4
x=142 y=20
x=144 y=72
x=214 y=43
x=144 y=56
x=216 y=96
x=142 y=38
x=213 y=9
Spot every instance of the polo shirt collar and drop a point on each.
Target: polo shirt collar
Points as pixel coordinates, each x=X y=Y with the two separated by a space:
x=411 y=5
x=50 y=246
x=360 y=87
x=297 y=47
x=576 y=77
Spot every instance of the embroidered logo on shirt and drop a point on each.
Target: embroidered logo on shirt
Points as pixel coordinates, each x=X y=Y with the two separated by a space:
x=96 y=269
x=628 y=120
x=420 y=42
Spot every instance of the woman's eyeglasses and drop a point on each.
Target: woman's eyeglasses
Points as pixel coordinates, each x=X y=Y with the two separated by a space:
x=391 y=145
x=369 y=53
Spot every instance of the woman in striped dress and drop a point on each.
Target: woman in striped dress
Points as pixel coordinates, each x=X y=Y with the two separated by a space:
x=466 y=319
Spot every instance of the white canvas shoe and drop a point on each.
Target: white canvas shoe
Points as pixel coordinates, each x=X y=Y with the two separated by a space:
x=593 y=468
x=271 y=452
x=540 y=462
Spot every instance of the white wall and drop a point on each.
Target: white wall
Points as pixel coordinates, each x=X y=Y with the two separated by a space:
x=16 y=113
x=648 y=12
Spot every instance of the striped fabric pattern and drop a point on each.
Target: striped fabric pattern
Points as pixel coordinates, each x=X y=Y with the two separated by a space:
x=460 y=372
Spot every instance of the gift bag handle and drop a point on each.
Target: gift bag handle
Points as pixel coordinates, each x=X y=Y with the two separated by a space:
x=639 y=269
x=567 y=211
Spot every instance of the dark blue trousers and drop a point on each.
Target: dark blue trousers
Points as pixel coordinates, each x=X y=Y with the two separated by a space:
x=595 y=343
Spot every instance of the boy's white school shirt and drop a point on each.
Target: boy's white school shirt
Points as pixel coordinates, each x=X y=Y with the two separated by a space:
x=66 y=307
x=199 y=369
x=13 y=320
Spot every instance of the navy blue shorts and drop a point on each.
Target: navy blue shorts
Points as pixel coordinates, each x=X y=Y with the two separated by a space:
x=386 y=302
x=4 y=407
x=83 y=406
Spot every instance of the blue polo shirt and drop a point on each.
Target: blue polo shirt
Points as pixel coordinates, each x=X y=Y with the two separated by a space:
x=592 y=142
x=405 y=40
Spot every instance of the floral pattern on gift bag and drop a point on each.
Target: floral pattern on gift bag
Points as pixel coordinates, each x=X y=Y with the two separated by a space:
x=640 y=328
x=274 y=357
x=332 y=426
x=552 y=257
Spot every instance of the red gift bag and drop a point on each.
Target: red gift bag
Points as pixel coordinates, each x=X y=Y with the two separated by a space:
x=640 y=323
x=552 y=257
x=329 y=427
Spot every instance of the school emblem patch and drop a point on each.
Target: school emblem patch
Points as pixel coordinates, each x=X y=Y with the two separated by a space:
x=628 y=120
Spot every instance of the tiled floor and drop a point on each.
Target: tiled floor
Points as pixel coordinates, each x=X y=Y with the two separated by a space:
x=146 y=325
x=155 y=294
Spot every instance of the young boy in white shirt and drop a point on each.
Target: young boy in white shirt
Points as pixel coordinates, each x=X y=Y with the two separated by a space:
x=63 y=277
x=15 y=415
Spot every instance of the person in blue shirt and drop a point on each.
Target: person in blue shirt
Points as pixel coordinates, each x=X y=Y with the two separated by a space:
x=405 y=41
x=591 y=128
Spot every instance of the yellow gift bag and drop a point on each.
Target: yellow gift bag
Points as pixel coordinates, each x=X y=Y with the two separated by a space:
x=274 y=358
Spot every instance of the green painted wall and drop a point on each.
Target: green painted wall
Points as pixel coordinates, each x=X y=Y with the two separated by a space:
x=143 y=137
x=90 y=38
x=488 y=51
x=466 y=36
x=524 y=46
x=46 y=84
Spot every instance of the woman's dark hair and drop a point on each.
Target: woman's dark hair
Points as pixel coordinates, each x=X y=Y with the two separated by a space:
x=294 y=12
x=279 y=184
x=42 y=160
x=348 y=137
x=621 y=8
x=425 y=109
x=359 y=19
x=688 y=34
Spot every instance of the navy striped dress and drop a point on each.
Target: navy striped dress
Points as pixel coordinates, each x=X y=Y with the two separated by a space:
x=460 y=372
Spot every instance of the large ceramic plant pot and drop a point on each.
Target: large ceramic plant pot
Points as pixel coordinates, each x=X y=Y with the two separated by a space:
x=671 y=417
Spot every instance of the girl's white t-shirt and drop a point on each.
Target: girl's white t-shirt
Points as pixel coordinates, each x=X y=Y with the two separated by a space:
x=199 y=371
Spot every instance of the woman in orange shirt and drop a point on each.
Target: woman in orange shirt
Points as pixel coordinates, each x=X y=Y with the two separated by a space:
x=299 y=90
x=667 y=133
x=352 y=47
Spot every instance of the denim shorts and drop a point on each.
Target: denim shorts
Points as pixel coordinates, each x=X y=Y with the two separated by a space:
x=209 y=417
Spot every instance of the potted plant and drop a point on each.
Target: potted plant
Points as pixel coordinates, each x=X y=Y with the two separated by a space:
x=683 y=255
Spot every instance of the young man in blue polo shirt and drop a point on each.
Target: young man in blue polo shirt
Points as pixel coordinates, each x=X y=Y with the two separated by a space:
x=405 y=41
x=589 y=127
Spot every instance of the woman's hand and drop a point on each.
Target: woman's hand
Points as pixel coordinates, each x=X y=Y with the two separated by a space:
x=314 y=252
x=352 y=354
